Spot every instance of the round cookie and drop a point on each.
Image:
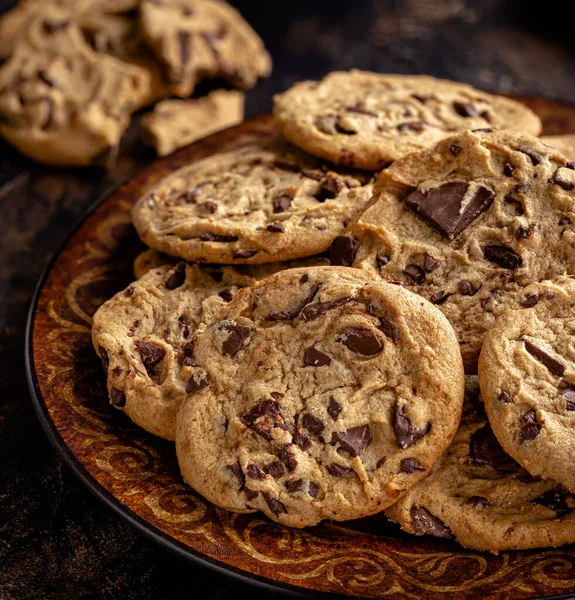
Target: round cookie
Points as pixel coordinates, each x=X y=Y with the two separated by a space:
x=320 y=395
x=264 y=202
x=198 y=39
x=366 y=120
x=527 y=377
x=468 y=223
x=480 y=496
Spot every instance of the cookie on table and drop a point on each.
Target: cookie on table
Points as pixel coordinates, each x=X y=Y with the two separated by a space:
x=61 y=102
x=176 y=123
x=564 y=143
x=478 y=495
x=319 y=394
x=366 y=120
x=468 y=223
x=527 y=377
x=263 y=202
x=198 y=39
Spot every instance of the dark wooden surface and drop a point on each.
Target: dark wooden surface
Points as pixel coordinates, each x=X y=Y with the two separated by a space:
x=56 y=541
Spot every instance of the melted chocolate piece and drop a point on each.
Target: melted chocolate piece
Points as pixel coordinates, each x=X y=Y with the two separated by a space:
x=302 y=441
x=339 y=470
x=529 y=300
x=104 y=358
x=529 y=429
x=275 y=505
x=407 y=434
x=214 y=237
x=250 y=494
x=244 y=253
x=441 y=206
x=275 y=469
x=330 y=187
x=360 y=340
x=535 y=157
x=236 y=340
x=410 y=465
x=504 y=397
x=343 y=250
x=292 y=313
x=508 y=169
x=281 y=203
x=455 y=149
x=226 y=295
x=188 y=350
x=389 y=329
x=429 y=263
x=313 y=311
x=569 y=395
x=177 y=277
x=255 y=471
x=263 y=417
x=117 y=397
x=334 y=408
x=194 y=386
x=236 y=471
x=411 y=126
x=439 y=297
x=502 y=256
x=313 y=489
x=479 y=502
x=313 y=424
x=276 y=227
x=423 y=521
x=485 y=450
x=556 y=500
x=353 y=441
x=524 y=231
x=555 y=366
x=288 y=459
x=381 y=260
x=463 y=109
x=151 y=354
x=296 y=485
x=415 y=273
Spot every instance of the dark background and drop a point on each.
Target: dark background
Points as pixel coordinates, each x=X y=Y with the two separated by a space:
x=56 y=540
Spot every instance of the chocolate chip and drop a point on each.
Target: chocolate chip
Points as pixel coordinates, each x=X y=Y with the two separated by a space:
x=244 y=253
x=423 y=521
x=455 y=149
x=255 y=471
x=439 y=297
x=275 y=469
x=415 y=273
x=288 y=315
x=407 y=434
x=194 y=386
x=236 y=340
x=529 y=429
x=214 y=237
x=535 y=157
x=188 y=350
x=555 y=366
x=304 y=278
x=274 y=505
x=288 y=459
x=411 y=126
x=296 y=485
x=236 y=471
x=330 y=187
x=276 y=227
x=429 y=263
x=521 y=188
x=130 y=291
x=210 y=206
x=562 y=183
x=263 y=417
x=184 y=43
x=302 y=441
x=570 y=165
x=313 y=489
x=104 y=358
x=569 y=395
x=442 y=206
x=117 y=397
x=483 y=129
x=524 y=231
x=464 y=109
x=389 y=329
x=410 y=465
x=360 y=340
x=250 y=494
x=281 y=203
x=313 y=311
x=529 y=300
x=177 y=277
x=556 y=500
x=286 y=165
x=564 y=221
x=334 y=408
x=226 y=295
x=343 y=250
x=339 y=470
x=353 y=441
x=502 y=256
x=381 y=260
x=316 y=358
x=504 y=397
x=479 y=502
x=508 y=169
x=485 y=450
x=313 y=423
x=151 y=354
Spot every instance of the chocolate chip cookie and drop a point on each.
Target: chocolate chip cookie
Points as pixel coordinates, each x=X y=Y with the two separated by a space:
x=468 y=223
x=319 y=394
x=527 y=377
x=263 y=202
x=478 y=495
x=198 y=39
x=366 y=120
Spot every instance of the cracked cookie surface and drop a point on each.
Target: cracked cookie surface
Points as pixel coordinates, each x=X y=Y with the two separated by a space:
x=366 y=120
x=468 y=223
x=320 y=394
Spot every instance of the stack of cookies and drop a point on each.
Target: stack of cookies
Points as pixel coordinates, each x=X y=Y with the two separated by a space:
x=72 y=72
x=430 y=240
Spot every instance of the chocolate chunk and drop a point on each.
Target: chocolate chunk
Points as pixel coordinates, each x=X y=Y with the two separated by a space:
x=236 y=471
x=485 y=450
x=411 y=126
x=442 y=206
x=502 y=256
x=275 y=505
x=569 y=395
x=316 y=358
x=479 y=502
x=263 y=417
x=508 y=169
x=275 y=469
x=117 y=397
x=184 y=43
x=326 y=124
x=524 y=231
x=343 y=250
x=562 y=183
x=423 y=521
x=281 y=203
x=439 y=297
x=463 y=109
x=210 y=206
x=339 y=470
x=389 y=329
x=288 y=459
x=529 y=429
x=188 y=350
x=570 y=165
x=313 y=423
x=429 y=263
x=226 y=295
x=529 y=300
x=177 y=277
x=555 y=366
x=255 y=471
x=296 y=485
x=313 y=489
x=214 y=237
x=483 y=129
x=302 y=441
x=415 y=273
x=194 y=386
x=353 y=441
x=244 y=253
x=130 y=291
x=334 y=408
x=504 y=397
x=381 y=260
x=521 y=188
x=151 y=354
x=407 y=434
x=564 y=221
x=535 y=157
x=287 y=165
x=313 y=311
x=288 y=315
x=104 y=358
x=556 y=500
x=250 y=494
x=330 y=187
x=455 y=149
x=360 y=340
x=276 y=227
x=236 y=340
x=410 y=465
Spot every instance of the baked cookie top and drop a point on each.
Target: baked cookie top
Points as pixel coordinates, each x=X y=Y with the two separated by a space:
x=527 y=377
x=564 y=143
x=199 y=39
x=366 y=120
x=263 y=202
x=60 y=101
x=480 y=496
x=468 y=223
x=321 y=394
